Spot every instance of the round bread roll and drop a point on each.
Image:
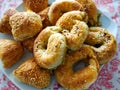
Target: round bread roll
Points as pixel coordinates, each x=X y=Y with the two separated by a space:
x=4 y=23
x=25 y=25
x=10 y=52
x=30 y=73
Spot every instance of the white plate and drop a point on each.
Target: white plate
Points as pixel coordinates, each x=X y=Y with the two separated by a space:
x=106 y=23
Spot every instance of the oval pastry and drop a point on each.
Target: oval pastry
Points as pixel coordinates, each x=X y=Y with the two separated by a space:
x=50 y=47
x=59 y=7
x=83 y=78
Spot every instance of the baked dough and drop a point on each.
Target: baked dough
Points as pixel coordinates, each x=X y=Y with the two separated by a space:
x=4 y=23
x=35 y=5
x=50 y=47
x=80 y=79
x=30 y=73
x=25 y=25
x=74 y=29
x=10 y=52
x=91 y=9
x=102 y=42
x=58 y=8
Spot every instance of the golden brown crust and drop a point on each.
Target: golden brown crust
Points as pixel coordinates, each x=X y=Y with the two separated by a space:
x=30 y=73
x=29 y=43
x=4 y=23
x=50 y=47
x=82 y=78
x=10 y=52
x=74 y=29
x=44 y=17
x=59 y=7
x=25 y=25
x=103 y=43
x=35 y=5
x=91 y=10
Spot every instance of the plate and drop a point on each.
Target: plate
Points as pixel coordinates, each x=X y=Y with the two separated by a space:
x=106 y=23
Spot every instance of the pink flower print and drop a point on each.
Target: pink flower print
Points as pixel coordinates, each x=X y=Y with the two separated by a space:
x=101 y=81
x=114 y=65
x=13 y=5
x=119 y=8
x=5 y=88
x=4 y=77
x=119 y=46
x=1 y=1
x=56 y=86
x=109 y=85
x=94 y=88
x=107 y=1
x=113 y=69
x=114 y=17
x=106 y=75
x=111 y=9
x=116 y=54
x=8 y=0
x=0 y=81
x=12 y=86
x=119 y=72
x=103 y=2
x=118 y=80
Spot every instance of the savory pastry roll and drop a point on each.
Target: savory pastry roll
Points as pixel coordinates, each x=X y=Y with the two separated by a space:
x=25 y=25
x=10 y=52
x=4 y=23
x=30 y=73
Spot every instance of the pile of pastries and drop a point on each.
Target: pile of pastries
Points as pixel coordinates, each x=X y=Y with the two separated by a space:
x=59 y=36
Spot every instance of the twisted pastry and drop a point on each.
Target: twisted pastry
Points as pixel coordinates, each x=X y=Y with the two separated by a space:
x=91 y=10
x=59 y=7
x=75 y=31
x=83 y=78
x=50 y=47
x=102 y=42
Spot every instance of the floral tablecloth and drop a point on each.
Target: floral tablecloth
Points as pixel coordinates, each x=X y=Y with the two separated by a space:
x=109 y=76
